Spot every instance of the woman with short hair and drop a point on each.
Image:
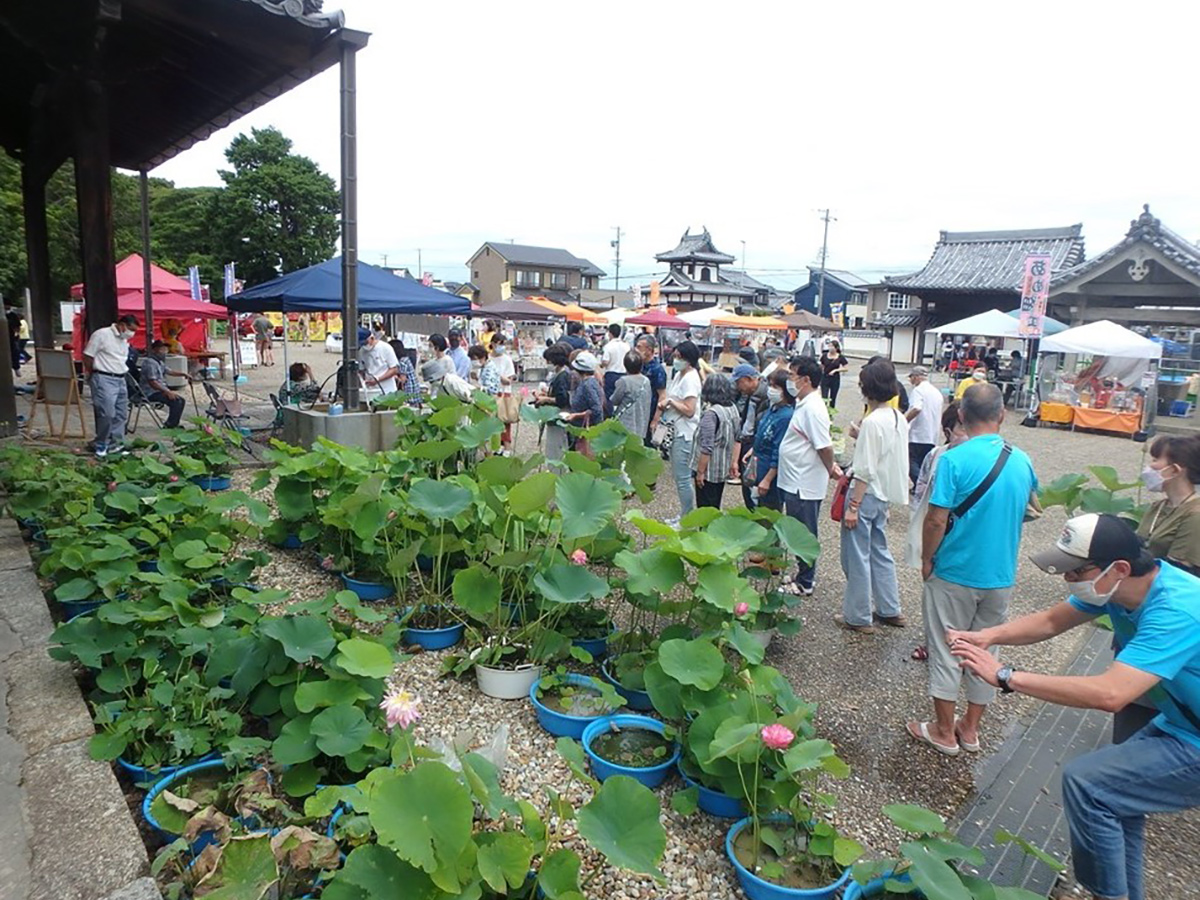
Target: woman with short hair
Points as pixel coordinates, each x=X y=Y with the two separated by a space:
x=880 y=478
x=715 y=439
x=557 y=394
x=681 y=410
x=769 y=433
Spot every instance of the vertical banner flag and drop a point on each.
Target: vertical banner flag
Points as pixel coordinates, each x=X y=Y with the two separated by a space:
x=1035 y=290
x=230 y=279
x=655 y=293
x=194 y=281
x=835 y=313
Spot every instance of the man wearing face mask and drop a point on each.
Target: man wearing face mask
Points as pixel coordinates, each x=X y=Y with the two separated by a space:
x=105 y=364
x=1108 y=793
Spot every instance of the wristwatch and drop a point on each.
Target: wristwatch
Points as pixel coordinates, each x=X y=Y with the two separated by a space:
x=1002 y=675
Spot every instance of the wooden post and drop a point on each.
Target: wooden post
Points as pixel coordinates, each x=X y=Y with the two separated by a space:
x=37 y=252
x=93 y=192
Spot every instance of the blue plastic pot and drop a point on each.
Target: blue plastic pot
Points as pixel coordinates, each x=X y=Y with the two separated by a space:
x=856 y=891
x=213 y=482
x=369 y=590
x=634 y=698
x=715 y=803
x=598 y=647
x=142 y=775
x=650 y=776
x=148 y=565
x=757 y=888
x=291 y=542
x=434 y=638
x=563 y=724
x=179 y=773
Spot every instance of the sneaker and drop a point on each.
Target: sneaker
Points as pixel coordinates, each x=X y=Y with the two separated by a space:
x=805 y=590
x=892 y=621
x=100 y=452
x=841 y=622
x=673 y=522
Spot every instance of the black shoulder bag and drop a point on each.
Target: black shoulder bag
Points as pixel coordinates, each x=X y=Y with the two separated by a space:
x=982 y=488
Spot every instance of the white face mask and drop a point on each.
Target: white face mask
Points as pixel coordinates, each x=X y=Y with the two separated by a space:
x=1085 y=591
x=126 y=335
x=774 y=395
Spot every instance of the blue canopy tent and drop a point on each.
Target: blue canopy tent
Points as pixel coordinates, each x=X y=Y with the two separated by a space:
x=319 y=289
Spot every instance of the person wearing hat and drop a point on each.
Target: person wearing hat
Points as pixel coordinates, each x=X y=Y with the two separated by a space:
x=979 y=375
x=379 y=364
x=751 y=403
x=1155 y=616
x=924 y=416
x=587 y=400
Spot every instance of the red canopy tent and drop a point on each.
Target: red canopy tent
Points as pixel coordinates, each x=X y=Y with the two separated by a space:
x=171 y=298
x=657 y=318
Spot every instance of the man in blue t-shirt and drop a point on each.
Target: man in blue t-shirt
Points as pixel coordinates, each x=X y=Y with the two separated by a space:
x=1155 y=611
x=970 y=564
x=653 y=369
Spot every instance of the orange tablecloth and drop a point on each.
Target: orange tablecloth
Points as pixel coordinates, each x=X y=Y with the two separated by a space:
x=1107 y=420
x=1059 y=413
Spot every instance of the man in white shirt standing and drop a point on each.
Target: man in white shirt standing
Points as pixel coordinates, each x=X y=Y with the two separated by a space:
x=612 y=361
x=924 y=416
x=806 y=460
x=106 y=363
x=380 y=366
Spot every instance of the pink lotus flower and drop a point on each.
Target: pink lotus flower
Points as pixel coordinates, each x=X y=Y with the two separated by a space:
x=327 y=563
x=777 y=737
x=741 y=609
x=112 y=486
x=401 y=708
x=173 y=479
x=391 y=515
x=579 y=557
x=208 y=429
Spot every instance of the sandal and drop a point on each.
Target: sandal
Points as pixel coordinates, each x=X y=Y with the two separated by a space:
x=921 y=733
x=791 y=588
x=920 y=654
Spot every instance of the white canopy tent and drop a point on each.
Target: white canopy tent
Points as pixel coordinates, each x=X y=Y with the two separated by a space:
x=703 y=318
x=992 y=323
x=1103 y=338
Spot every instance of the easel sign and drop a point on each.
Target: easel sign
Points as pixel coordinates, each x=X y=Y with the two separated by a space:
x=57 y=385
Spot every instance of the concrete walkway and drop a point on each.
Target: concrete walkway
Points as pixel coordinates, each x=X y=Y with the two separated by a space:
x=65 y=829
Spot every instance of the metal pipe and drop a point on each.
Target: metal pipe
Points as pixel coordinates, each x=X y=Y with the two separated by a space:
x=349 y=228
x=147 y=287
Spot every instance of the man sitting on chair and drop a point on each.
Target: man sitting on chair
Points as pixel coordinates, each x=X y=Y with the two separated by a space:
x=153 y=381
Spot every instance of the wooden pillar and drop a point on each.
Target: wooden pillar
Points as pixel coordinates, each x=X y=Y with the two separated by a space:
x=93 y=192
x=37 y=252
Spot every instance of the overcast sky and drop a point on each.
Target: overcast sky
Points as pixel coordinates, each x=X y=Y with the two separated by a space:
x=551 y=123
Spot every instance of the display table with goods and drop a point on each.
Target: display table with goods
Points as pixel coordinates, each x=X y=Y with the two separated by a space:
x=1101 y=406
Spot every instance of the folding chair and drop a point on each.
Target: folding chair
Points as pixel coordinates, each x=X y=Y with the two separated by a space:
x=277 y=422
x=139 y=400
x=223 y=412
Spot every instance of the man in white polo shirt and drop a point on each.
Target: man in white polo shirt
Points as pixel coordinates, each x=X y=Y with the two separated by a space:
x=806 y=459
x=106 y=363
x=612 y=361
x=924 y=419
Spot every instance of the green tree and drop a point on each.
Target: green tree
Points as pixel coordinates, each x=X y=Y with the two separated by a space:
x=12 y=231
x=277 y=212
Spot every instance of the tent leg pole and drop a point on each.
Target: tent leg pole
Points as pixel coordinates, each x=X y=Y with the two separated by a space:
x=287 y=369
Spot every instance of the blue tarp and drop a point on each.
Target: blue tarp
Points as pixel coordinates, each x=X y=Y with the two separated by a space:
x=1174 y=348
x=319 y=289
x=1049 y=326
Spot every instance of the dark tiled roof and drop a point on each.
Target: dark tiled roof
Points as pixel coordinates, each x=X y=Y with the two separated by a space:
x=693 y=285
x=697 y=247
x=306 y=11
x=901 y=319
x=741 y=279
x=965 y=261
x=1144 y=229
x=552 y=257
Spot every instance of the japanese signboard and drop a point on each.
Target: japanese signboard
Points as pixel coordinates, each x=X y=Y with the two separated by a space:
x=1035 y=289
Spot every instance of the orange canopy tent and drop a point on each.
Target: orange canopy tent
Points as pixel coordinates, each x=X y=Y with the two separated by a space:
x=757 y=323
x=570 y=311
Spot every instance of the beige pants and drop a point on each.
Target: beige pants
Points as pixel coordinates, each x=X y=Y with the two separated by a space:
x=948 y=605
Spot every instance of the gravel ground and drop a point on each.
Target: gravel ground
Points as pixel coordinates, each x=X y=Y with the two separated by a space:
x=867 y=686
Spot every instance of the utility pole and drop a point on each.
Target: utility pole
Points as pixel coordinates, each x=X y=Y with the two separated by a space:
x=743 y=257
x=826 y=218
x=617 y=245
x=385 y=260
x=420 y=268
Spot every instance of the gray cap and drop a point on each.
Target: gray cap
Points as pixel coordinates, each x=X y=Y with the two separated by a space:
x=920 y=370
x=744 y=370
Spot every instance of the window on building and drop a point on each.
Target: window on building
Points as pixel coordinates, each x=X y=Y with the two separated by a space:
x=558 y=280
x=705 y=274
x=528 y=279
x=897 y=301
x=476 y=275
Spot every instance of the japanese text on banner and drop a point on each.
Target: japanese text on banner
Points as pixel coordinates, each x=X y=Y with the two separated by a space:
x=1035 y=290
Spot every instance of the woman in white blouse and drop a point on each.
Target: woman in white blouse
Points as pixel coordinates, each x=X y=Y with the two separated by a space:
x=681 y=409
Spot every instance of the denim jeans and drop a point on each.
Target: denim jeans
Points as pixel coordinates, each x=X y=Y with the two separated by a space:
x=1107 y=795
x=174 y=407
x=868 y=565
x=681 y=471
x=110 y=403
x=808 y=513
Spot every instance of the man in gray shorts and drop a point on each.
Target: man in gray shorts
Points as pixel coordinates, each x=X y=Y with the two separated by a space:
x=970 y=540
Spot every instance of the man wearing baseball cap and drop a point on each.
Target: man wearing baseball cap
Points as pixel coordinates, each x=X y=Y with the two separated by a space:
x=1155 y=613
x=924 y=416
